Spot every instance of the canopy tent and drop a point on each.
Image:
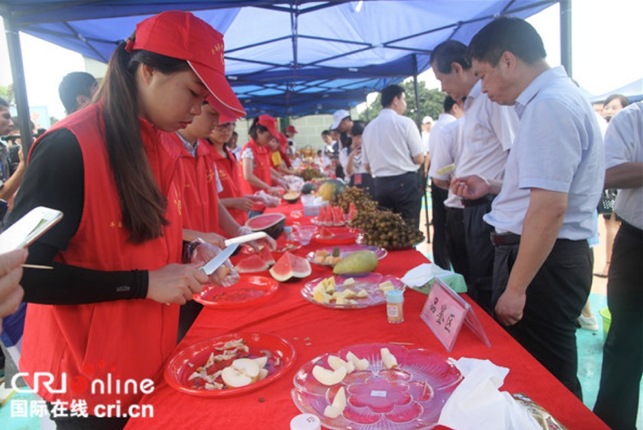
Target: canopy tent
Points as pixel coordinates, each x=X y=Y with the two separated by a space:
x=633 y=91
x=288 y=57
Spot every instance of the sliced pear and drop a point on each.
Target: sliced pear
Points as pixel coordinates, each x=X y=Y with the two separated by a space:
x=262 y=374
x=242 y=372
x=339 y=404
x=329 y=377
x=261 y=361
x=388 y=359
x=386 y=286
x=362 y=294
x=331 y=411
x=335 y=363
x=360 y=364
x=350 y=282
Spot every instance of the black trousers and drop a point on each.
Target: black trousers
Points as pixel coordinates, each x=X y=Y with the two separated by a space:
x=439 y=242
x=618 y=394
x=187 y=316
x=402 y=194
x=555 y=299
x=480 y=251
x=456 y=243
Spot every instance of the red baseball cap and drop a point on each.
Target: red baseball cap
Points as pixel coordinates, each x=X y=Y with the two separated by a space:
x=291 y=129
x=183 y=36
x=270 y=123
x=225 y=115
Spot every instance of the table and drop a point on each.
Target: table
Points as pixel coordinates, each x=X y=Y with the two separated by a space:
x=314 y=330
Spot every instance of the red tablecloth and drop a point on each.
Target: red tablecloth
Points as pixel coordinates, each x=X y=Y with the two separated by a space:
x=314 y=330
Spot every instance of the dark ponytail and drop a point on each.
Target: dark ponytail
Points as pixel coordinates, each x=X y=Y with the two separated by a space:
x=142 y=202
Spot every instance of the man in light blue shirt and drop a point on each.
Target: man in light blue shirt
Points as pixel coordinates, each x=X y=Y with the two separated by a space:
x=543 y=212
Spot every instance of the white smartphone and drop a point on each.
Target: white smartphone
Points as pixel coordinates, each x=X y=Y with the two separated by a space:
x=29 y=228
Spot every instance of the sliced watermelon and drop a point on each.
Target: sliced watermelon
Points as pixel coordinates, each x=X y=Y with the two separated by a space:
x=324 y=233
x=289 y=266
x=266 y=256
x=251 y=264
x=338 y=216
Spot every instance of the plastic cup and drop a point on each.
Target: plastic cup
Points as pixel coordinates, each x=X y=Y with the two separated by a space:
x=305 y=233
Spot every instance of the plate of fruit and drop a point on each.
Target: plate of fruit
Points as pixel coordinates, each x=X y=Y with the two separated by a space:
x=330 y=216
x=348 y=292
x=336 y=235
x=379 y=385
x=229 y=365
x=331 y=255
x=248 y=291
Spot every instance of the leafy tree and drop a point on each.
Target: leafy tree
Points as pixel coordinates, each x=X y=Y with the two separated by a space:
x=4 y=92
x=429 y=100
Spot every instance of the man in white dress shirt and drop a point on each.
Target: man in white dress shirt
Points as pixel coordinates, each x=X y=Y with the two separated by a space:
x=392 y=150
x=617 y=402
x=543 y=214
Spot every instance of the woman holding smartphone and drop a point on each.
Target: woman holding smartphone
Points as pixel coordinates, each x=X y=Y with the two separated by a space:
x=109 y=308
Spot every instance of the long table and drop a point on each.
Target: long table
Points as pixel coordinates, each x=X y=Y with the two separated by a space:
x=315 y=330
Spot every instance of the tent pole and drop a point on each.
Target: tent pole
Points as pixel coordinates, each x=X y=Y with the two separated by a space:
x=566 y=35
x=19 y=85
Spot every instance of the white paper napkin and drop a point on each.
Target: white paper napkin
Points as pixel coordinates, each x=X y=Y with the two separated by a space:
x=420 y=275
x=477 y=404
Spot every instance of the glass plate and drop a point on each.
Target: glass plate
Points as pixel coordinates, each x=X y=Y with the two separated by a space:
x=281 y=355
x=249 y=291
x=337 y=236
x=345 y=250
x=410 y=396
x=369 y=282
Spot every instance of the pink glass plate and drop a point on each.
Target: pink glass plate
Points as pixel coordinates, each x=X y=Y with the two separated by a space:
x=410 y=396
x=370 y=282
x=249 y=291
x=345 y=250
x=281 y=355
x=317 y=222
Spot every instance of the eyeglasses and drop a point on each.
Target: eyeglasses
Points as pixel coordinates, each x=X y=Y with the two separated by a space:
x=227 y=125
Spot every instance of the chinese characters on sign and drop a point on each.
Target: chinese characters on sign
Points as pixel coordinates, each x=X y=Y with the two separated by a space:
x=445 y=312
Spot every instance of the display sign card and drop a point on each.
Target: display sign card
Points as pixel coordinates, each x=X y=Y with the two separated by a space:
x=445 y=312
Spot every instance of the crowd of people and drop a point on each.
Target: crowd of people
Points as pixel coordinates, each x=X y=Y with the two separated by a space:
x=148 y=164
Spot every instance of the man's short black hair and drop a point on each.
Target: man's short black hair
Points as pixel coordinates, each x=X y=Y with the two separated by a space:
x=75 y=84
x=448 y=103
x=447 y=53
x=507 y=34
x=389 y=93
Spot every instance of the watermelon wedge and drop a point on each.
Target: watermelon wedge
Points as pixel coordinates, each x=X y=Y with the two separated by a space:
x=251 y=264
x=266 y=256
x=290 y=266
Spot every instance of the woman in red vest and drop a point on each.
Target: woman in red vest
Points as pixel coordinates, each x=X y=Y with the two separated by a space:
x=107 y=313
x=228 y=169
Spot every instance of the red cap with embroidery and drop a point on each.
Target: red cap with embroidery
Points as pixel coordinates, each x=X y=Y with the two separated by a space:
x=183 y=36
x=270 y=123
x=291 y=129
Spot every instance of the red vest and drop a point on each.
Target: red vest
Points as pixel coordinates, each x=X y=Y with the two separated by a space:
x=262 y=163
x=200 y=197
x=229 y=176
x=125 y=340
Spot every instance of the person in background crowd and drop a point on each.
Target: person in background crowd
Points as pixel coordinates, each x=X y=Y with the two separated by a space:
x=109 y=307
x=353 y=161
x=257 y=173
x=392 y=151
x=543 y=215
x=76 y=90
x=342 y=124
x=9 y=181
x=441 y=257
x=427 y=124
x=487 y=134
x=613 y=105
x=228 y=169
x=618 y=394
x=290 y=134
x=233 y=145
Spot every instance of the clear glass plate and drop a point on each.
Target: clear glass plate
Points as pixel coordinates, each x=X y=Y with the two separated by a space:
x=345 y=250
x=369 y=282
x=410 y=396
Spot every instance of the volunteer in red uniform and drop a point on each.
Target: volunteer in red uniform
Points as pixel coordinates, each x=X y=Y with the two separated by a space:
x=109 y=308
x=228 y=169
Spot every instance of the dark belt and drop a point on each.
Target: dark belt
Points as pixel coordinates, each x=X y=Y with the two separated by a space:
x=504 y=239
x=477 y=202
x=395 y=177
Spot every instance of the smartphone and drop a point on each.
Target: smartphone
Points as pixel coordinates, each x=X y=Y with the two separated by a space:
x=29 y=228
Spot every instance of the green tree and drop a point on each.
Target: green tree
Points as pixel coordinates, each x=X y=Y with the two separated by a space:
x=4 y=92
x=430 y=103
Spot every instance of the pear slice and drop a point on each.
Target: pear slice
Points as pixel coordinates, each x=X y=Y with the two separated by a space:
x=262 y=374
x=329 y=377
x=360 y=364
x=242 y=372
x=335 y=363
x=388 y=359
x=339 y=404
x=261 y=361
